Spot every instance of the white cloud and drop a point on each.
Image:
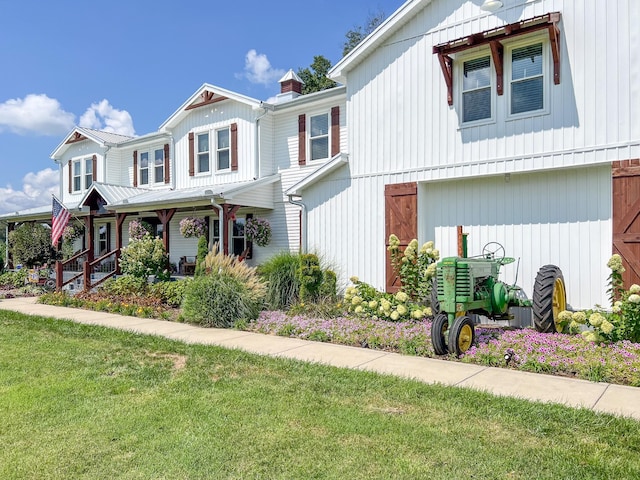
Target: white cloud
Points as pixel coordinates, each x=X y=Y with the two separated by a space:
x=36 y=191
x=258 y=69
x=37 y=114
x=102 y=116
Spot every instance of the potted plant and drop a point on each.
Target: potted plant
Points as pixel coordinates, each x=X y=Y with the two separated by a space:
x=258 y=231
x=192 y=227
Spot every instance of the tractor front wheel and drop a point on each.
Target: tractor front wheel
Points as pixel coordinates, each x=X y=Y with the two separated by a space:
x=549 y=299
x=438 y=329
x=461 y=335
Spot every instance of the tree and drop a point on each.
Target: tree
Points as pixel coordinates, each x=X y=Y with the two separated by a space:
x=315 y=77
x=30 y=244
x=359 y=33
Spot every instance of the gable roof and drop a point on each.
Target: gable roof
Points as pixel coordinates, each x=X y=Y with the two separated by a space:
x=385 y=30
x=321 y=172
x=111 y=193
x=79 y=134
x=206 y=95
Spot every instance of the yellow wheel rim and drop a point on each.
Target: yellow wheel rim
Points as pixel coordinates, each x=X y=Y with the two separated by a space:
x=465 y=338
x=559 y=301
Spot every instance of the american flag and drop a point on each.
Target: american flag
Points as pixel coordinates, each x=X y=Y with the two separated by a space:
x=59 y=219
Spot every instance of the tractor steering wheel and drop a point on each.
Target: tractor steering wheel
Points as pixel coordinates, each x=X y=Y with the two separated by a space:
x=493 y=251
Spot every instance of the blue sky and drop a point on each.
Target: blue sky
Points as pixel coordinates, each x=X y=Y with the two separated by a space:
x=125 y=66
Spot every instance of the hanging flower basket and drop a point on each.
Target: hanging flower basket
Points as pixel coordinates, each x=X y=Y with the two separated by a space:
x=139 y=229
x=71 y=232
x=258 y=231
x=192 y=227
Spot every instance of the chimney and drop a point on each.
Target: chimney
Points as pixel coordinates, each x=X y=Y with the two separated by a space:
x=290 y=86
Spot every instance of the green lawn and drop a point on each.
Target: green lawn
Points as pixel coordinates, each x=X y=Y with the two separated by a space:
x=80 y=401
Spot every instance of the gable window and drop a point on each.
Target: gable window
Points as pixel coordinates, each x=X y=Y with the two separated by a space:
x=88 y=172
x=144 y=168
x=203 y=152
x=476 y=89
x=77 y=176
x=319 y=136
x=223 y=149
x=158 y=167
x=527 y=79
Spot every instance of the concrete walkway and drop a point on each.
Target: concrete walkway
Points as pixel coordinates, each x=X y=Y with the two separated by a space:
x=600 y=397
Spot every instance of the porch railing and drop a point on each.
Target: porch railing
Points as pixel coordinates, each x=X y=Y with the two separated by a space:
x=88 y=274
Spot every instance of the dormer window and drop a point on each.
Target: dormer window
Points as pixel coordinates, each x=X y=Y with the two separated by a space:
x=88 y=172
x=77 y=176
x=158 y=166
x=203 y=152
x=223 y=149
x=82 y=173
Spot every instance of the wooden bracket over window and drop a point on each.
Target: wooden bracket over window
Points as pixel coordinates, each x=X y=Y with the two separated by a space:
x=206 y=98
x=493 y=38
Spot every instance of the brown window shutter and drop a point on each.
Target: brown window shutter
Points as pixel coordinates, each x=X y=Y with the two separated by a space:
x=70 y=175
x=135 y=168
x=234 y=147
x=302 y=140
x=166 y=163
x=192 y=168
x=94 y=161
x=335 y=131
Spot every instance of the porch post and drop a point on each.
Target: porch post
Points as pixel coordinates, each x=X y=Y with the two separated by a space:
x=119 y=222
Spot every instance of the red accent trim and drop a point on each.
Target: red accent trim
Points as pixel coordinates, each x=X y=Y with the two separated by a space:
x=192 y=170
x=135 y=168
x=207 y=98
x=302 y=140
x=94 y=166
x=167 y=175
x=234 y=147
x=335 y=131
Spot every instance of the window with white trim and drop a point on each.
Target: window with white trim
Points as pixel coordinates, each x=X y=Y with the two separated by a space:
x=88 y=172
x=238 y=242
x=82 y=174
x=223 y=149
x=77 y=176
x=319 y=136
x=144 y=168
x=158 y=166
x=526 y=79
x=203 y=153
x=477 y=98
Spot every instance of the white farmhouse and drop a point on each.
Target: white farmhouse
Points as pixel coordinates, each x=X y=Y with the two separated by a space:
x=516 y=119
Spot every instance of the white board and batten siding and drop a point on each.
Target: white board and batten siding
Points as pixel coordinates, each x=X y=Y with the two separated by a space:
x=556 y=207
x=209 y=118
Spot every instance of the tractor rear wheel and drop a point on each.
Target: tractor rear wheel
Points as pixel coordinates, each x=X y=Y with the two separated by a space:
x=549 y=299
x=435 y=304
x=461 y=335
x=438 y=329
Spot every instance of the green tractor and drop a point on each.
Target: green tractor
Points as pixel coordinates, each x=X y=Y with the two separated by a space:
x=465 y=287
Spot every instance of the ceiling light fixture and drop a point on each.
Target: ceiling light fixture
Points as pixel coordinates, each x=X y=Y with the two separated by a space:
x=491 y=5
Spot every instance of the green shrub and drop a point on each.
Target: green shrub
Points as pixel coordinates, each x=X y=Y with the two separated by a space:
x=362 y=300
x=329 y=286
x=125 y=285
x=144 y=257
x=310 y=277
x=14 y=279
x=283 y=285
x=170 y=293
x=30 y=245
x=203 y=251
x=218 y=300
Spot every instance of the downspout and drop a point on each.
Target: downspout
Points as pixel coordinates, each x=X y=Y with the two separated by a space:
x=256 y=167
x=221 y=222
x=303 y=228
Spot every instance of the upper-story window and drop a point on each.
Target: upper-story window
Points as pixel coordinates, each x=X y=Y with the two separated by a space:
x=82 y=174
x=476 y=89
x=319 y=136
x=223 y=149
x=158 y=166
x=527 y=79
x=88 y=172
x=203 y=153
x=144 y=168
